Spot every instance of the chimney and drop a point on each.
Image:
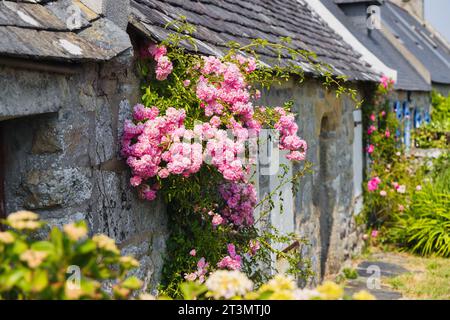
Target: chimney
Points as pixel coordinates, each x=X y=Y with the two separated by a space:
x=414 y=7
x=115 y=10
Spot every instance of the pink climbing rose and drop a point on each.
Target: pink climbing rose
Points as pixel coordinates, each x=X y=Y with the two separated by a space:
x=254 y=246
x=387 y=134
x=386 y=81
x=148 y=193
x=372 y=185
x=157 y=51
x=135 y=181
x=164 y=68
x=232 y=261
x=217 y=220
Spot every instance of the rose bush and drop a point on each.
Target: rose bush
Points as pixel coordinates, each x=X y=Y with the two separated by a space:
x=194 y=140
x=406 y=199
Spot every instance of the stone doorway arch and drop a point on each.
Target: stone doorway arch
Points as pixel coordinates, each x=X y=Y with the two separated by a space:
x=324 y=193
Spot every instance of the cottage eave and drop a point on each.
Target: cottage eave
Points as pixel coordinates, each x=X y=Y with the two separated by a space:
x=45 y=32
x=240 y=23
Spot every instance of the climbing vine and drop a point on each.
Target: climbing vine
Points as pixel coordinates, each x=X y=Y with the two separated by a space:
x=194 y=141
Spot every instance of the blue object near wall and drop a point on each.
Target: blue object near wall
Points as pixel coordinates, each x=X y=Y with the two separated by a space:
x=407 y=125
x=417 y=118
x=399 y=114
x=427 y=117
x=398 y=110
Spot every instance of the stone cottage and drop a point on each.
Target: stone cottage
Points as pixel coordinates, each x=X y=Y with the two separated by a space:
x=405 y=43
x=67 y=82
x=407 y=19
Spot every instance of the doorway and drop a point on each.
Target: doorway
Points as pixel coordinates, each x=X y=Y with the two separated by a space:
x=324 y=194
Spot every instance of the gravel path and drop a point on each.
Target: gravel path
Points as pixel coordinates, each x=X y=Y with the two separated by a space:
x=370 y=275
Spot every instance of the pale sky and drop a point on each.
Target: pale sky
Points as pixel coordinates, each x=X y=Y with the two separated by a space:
x=437 y=12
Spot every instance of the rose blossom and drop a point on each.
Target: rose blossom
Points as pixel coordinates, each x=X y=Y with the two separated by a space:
x=371 y=130
x=217 y=220
x=135 y=181
x=190 y=277
x=387 y=134
x=386 y=81
x=157 y=51
x=232 y=261
x=254 y=247
x=372 y=185
x=164 y=67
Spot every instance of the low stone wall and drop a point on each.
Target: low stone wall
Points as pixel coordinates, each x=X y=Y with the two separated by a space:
x=65 y=164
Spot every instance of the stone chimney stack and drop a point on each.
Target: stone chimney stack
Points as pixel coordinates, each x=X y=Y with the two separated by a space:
x=115 y=10
x=415 y=7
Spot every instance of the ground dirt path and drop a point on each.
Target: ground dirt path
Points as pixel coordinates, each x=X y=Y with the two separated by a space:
x=401 y=276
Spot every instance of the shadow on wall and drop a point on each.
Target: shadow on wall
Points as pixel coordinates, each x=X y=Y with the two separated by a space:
x=324 y=194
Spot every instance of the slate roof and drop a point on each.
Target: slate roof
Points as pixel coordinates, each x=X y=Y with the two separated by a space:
x=419 y=41
x=408 y=78
x=39 y=31
x=221 y=21
x=358 y=1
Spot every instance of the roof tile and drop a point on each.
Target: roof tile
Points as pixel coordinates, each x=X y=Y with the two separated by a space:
x=219 y=22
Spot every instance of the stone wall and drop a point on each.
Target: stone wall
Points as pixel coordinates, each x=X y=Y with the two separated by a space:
x=324 y=206
x=65 y=165
x=420 y=99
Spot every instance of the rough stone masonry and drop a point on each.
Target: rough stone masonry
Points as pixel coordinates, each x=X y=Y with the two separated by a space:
x=62 y=159
x=65 y=164
x=323 y=210
x=61 y=128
